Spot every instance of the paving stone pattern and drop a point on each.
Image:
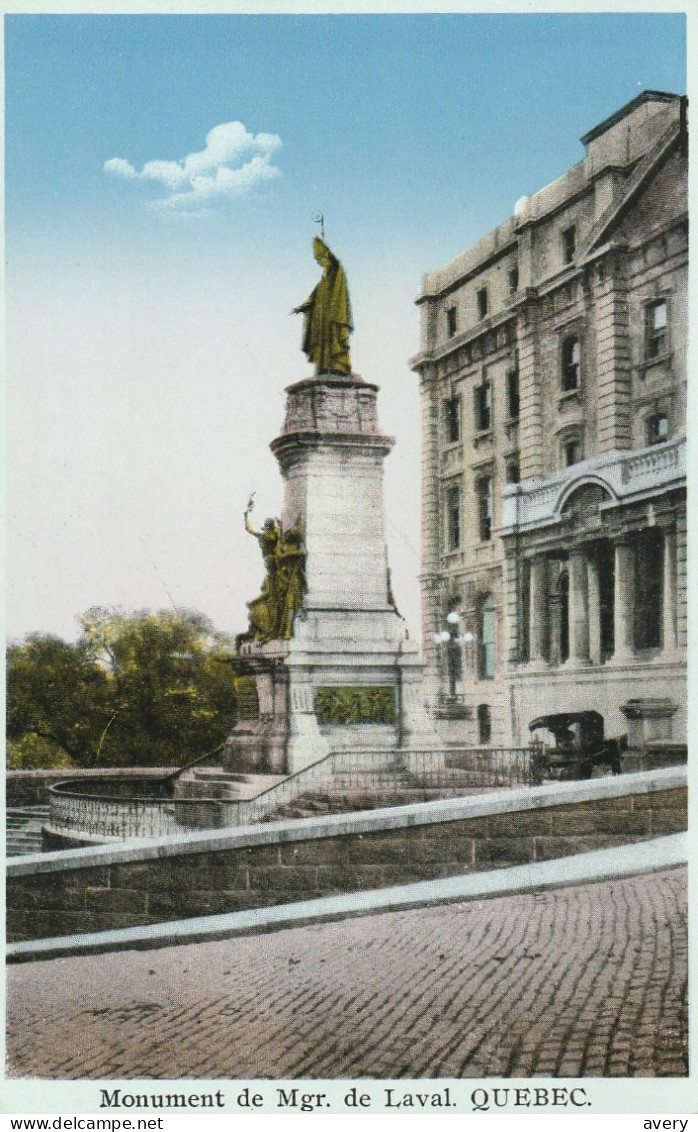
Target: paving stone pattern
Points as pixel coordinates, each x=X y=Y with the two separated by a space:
x=586 y=981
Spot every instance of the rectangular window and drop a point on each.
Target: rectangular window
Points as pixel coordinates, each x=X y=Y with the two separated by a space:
x=513 y=280
x=512 y=471
x=513 y=394
x=571 y=364
x=485 y=501
x=569 y=244
x=656 y=330
x=483 y=407
x=451 y=321
x=658 y=428
x=453 y=518
x=452 y=420
x=482 y=304
x=487 y=642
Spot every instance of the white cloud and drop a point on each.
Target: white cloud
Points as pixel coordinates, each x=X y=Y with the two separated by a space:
x=234 y=163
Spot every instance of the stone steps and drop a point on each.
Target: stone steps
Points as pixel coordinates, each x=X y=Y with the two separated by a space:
x=23 y=830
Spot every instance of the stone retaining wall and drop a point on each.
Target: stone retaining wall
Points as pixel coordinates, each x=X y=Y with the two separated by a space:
x=99 y=889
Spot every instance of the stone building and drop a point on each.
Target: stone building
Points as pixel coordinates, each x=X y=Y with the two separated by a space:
x=553 y=395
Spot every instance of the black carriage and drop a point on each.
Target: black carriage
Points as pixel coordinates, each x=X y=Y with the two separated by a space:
x=579 y=744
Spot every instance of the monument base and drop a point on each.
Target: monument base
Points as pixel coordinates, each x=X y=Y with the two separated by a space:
x=347 y=678
x=346 y=681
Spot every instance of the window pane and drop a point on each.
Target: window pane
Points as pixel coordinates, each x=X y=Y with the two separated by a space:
x=569 y=243
x=571 y=364
x=657 y=428
x=487 y=636
x=485 y=506
x=452 y=420
x=571 y=453
x=453 y=517
x=484 y=723
x=483 y=406
x=513 y=393
x=656 y=330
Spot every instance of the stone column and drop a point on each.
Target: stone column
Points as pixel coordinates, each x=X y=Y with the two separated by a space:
x=578 y=609
x=538 y=612
x=624 y=608
x=669 y=595
x=594 y=606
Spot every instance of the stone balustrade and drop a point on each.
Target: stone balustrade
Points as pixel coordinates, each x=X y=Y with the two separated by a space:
x=622 y=475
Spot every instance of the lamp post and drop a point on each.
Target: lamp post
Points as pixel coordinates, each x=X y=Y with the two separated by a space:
x=452 y=641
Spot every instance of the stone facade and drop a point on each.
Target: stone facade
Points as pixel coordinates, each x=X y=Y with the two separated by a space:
x=553 y=387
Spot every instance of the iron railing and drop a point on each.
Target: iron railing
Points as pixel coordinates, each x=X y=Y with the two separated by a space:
x=76 y=808
x=73 y=810
x=380 y=772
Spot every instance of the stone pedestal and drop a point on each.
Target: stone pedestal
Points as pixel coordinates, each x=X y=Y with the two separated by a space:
x=649 y=721
x=257 y=743
x=352 y=676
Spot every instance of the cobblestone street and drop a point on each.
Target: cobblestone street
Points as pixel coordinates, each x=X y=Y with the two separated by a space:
x=584 y=981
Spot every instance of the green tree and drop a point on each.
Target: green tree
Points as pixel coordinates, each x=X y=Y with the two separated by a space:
x=150 y=689
x=31 y=752
x=58 y=700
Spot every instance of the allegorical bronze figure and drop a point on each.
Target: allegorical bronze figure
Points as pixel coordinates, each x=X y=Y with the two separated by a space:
x=327 y=313
x=281 y=596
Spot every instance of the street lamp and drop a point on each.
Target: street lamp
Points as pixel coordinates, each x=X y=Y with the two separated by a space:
x=453 y=641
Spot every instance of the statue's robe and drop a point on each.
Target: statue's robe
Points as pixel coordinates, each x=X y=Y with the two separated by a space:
x=328 y=322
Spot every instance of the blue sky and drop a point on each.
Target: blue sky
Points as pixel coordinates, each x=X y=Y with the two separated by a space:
x=149 y=342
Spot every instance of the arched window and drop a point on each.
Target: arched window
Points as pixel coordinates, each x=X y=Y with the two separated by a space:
x=487 y=641
x=570 y=445
x=484 y=723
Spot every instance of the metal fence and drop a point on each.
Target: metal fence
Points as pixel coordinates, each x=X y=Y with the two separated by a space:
x=102 y=816
x=379 y=773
